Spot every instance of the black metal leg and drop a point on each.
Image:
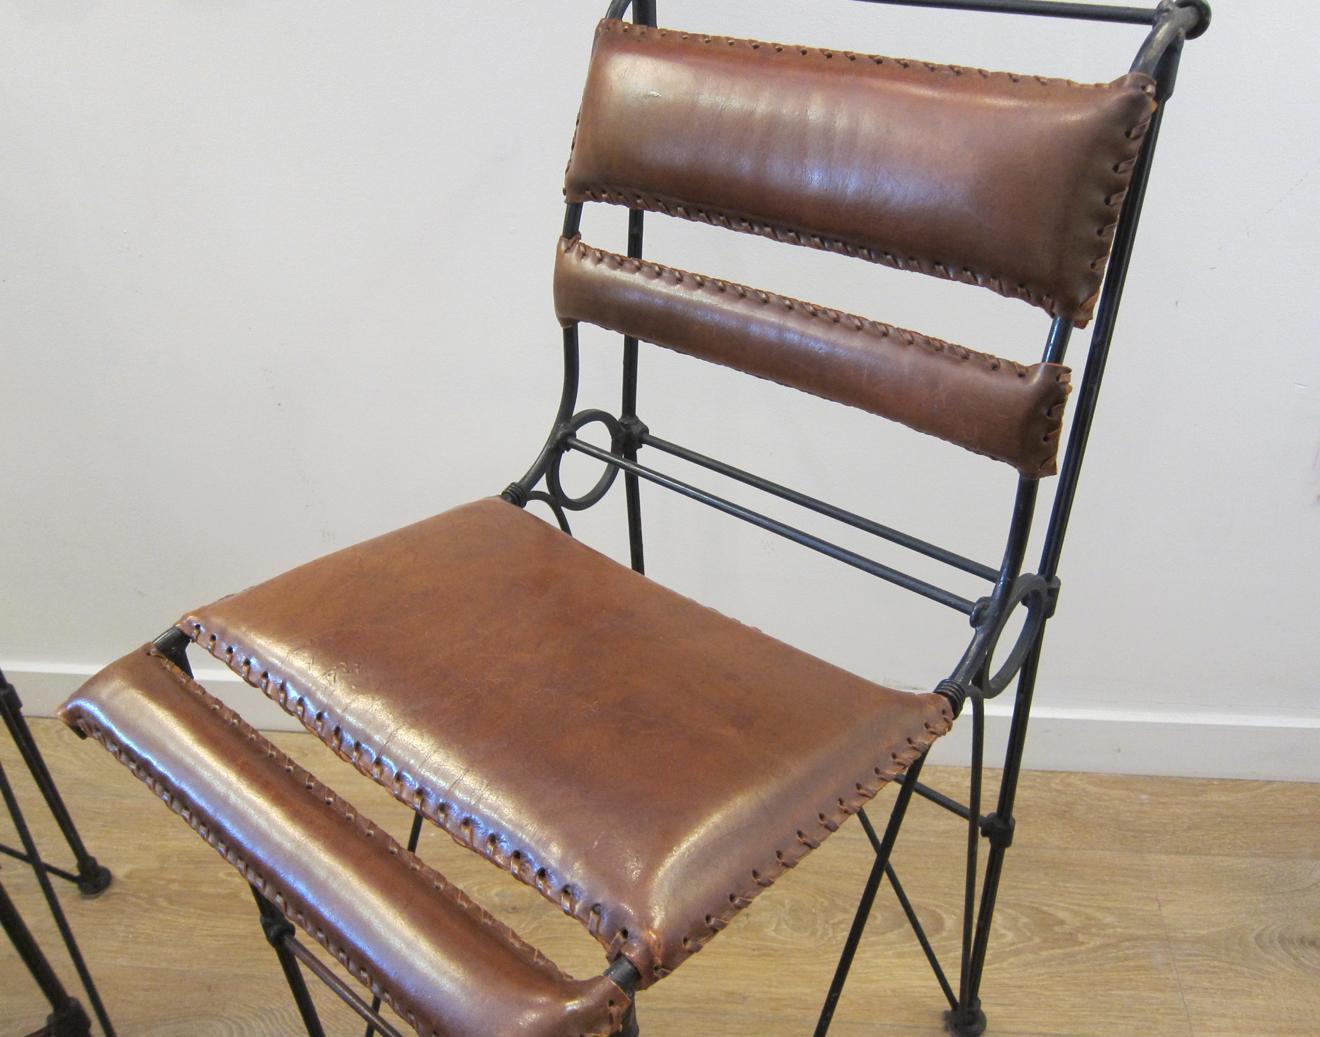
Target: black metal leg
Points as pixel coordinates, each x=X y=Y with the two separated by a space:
x=967 y=1019
x=67 y=1018
x=92 y=878
x=868 y=898
x=56 y=911
x=278 y=930
x=923 y=940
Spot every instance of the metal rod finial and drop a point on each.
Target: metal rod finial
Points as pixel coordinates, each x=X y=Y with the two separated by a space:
x=1203 y=14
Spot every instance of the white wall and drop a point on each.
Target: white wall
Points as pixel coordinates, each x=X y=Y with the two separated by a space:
x=275 y=277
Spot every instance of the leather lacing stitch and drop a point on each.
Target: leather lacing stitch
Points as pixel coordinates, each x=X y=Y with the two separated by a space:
x=1008 y=287
x=1122 y=166
x=865 y=325
x=518 y=861
x=364 y=827
x=827 y=822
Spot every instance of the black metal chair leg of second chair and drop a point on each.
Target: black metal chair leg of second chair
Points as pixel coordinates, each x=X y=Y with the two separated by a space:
x=67 y=1018
x=92 y=877
x=33 y=856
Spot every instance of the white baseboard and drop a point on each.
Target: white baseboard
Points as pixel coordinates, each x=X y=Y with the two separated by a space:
x=1126 y=741
x=43 y=686
x=1109 y=741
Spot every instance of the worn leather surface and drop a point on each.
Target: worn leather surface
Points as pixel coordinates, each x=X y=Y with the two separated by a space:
x=440 y=960
x=1005 y=410
x=1006 y=181
x=644 y=762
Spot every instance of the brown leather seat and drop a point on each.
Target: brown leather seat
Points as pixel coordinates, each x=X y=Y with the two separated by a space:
x=531 y=696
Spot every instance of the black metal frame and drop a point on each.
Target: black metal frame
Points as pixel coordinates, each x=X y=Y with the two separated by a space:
x=67 y=1019
x=91 y=878
x=976 y=677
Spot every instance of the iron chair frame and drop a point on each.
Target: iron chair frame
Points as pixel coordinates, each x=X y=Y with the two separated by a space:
x=975 y=678
x=67 y=1018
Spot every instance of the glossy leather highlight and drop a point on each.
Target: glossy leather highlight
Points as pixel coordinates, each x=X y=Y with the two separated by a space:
x=1006 y=181
x=437 y=958
x=644 y=762
x=995 y=407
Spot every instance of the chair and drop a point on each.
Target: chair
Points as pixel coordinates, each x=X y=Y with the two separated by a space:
x=67 y=1018
x=516 y=689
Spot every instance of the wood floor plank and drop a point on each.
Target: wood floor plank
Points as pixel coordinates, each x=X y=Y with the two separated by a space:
x=1170 y=816
x=1153 y=906
x=1245 y=936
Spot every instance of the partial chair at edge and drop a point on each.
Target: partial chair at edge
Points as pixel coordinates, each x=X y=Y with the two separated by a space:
x=508 y=684
x=67 y=1017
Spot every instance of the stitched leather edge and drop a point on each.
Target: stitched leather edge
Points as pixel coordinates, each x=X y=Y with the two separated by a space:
x=357 y=822
x=1036 y=295
x=1041 y=464
x=828 y=823
x=863 y=324
x=644 y=950
x=497 y=846
x=1049 y=463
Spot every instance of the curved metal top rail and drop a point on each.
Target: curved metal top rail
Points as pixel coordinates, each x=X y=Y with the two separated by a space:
x=1044 y=8
x=1174 y=20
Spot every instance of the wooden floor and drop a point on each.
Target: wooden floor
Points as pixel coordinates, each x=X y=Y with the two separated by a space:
x=1131 y=906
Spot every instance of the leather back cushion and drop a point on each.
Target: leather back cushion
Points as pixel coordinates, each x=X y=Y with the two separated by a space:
x=995 y=407
x=1010 y=182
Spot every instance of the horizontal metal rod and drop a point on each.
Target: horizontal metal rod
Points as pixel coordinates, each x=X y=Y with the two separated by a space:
x=940 y=799
x=894 y=536
x=1044 y=8
x=346 y=993
x=798 y=536
x=49 y=869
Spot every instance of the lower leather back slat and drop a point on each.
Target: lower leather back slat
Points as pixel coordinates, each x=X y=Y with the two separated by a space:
x=994 y=407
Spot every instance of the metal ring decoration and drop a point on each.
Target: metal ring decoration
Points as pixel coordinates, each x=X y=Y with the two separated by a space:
x=1033 y=592
x=606 y=480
